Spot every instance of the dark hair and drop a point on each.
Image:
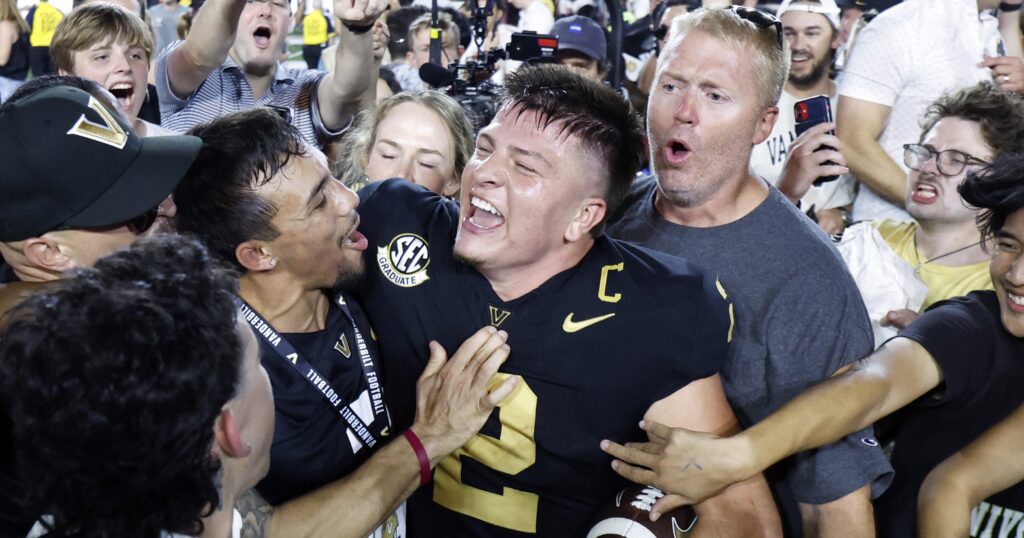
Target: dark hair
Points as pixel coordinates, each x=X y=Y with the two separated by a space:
x=600 y=117
x=998 y=190
x=114 y=379
x=217 y=200
x=398 y=26
x=388 y=76
x=999 y=113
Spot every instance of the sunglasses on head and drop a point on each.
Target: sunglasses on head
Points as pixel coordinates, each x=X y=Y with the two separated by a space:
x=760 y=18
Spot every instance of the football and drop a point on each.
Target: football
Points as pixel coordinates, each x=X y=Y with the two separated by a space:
x=628 y=516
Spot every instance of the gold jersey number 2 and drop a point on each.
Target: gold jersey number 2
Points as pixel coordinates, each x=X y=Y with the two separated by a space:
x=512 y=453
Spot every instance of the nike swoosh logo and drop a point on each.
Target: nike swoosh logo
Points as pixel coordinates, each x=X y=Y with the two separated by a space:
x=571 y=326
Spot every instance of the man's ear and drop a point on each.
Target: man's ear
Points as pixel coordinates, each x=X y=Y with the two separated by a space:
x=47 y=253
x=765 y=124
x=228 y=436
x=255 y=256
x=588 y=216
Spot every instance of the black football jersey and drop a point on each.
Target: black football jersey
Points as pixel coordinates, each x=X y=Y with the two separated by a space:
x=595 y=346
x=313 y=445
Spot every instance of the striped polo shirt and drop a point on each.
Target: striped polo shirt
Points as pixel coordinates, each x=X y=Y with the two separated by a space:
x=226 y=90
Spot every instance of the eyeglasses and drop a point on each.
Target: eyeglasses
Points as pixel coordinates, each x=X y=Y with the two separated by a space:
x=760 y=18
x=949 y=162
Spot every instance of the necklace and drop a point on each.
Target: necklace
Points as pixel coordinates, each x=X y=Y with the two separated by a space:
x=920 y=264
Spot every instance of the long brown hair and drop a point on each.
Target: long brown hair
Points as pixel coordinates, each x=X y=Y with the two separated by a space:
x=9 y=12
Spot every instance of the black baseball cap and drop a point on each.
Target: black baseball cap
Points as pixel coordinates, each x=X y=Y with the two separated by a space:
x=66 y=161
x=581 y=34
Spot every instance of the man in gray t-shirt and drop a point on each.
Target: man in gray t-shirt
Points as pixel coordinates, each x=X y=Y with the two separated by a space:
x=798 y=316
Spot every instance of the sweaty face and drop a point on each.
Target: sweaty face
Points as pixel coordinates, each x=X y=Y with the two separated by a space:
x=262 y=29
x=255 y=406
x=1007 y=271
x=811 y=39
x=419 y=49
x=521 y=191
x=580 y=63
x=319 y=244
x=932 y=196
x=412 y=142
x=119 y=67
x=704 y=116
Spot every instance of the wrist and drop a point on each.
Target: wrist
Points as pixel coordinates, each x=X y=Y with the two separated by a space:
x=434 y=444
x=747 y=459
x=421 y=456
x=357 y=29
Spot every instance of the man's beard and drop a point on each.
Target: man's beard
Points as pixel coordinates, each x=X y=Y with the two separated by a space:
x=818 y=71
x=350 y=277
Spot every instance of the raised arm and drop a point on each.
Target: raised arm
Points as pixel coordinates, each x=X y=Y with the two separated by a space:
x=698 y=465
x=453 y=402
x=353 y=83
x=859 y=124
x=983 y=468
x=746 y=509
x=207 y=45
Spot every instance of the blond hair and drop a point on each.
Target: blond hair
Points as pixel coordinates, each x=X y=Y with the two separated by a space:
x=9 y=12
x=97 y=23
x=444 y=22
x=771 y=62
x=359 y=139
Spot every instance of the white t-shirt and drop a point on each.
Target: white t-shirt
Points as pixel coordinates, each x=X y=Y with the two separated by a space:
x=906 y=58
x=769 y=156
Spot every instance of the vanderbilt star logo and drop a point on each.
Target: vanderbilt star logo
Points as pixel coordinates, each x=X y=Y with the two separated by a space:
x=571 y=326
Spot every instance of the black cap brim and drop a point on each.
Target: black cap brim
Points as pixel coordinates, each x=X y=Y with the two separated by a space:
x=151 y=178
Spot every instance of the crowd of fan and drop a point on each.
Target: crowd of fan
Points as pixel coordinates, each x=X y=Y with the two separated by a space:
x=218 y=310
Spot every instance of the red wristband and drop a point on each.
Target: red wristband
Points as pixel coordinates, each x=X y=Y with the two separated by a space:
x=421 y=454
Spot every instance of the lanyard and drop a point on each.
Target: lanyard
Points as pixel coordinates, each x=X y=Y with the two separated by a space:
x=288 y=352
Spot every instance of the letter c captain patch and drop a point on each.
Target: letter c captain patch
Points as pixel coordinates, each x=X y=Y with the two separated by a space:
x=404 y=261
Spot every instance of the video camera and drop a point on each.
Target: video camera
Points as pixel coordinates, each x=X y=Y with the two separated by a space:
x=470 y=83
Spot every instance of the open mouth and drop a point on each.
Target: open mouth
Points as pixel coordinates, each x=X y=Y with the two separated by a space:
x=1015 y=303
x=800 y=57
x=262 y=37
x=676 y=152
x=124 y=92
x=354 y=239
x=925 y=193
x=483 y=215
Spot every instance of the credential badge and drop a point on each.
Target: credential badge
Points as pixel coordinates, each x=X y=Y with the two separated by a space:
x=405 y=260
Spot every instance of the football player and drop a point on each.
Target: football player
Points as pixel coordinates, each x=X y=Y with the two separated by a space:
x=604 y=333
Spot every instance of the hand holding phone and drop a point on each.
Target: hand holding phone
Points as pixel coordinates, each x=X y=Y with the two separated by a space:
x=810 y=112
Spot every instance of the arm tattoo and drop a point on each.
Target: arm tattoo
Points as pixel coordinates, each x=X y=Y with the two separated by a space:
x=256 y=514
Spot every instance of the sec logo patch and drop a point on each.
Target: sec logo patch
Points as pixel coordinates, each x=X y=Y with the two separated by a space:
x=404 y=260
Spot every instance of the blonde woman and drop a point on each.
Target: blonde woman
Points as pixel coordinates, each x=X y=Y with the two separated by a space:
x=14 y=47
x=422 y=137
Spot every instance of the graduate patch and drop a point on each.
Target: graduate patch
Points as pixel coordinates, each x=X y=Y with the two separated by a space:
x=404 y=260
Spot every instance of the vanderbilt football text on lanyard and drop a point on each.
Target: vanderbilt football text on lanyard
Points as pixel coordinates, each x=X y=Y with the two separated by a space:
x=288 y=352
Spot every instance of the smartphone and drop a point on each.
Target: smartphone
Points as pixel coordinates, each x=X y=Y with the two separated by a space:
x=811 y=112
